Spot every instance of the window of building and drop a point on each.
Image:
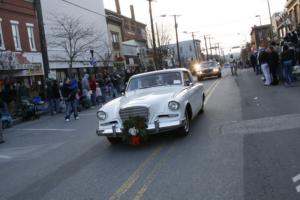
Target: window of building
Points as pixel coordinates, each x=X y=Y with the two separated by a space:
x=31 y=37
x=115 y=37
x=1 y=36
x=16 y=34
x=115 y=40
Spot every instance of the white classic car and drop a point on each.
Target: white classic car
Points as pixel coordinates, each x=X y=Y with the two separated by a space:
x=167 y=99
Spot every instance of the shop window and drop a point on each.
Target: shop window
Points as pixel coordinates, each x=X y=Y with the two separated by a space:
x=31 y=37
x=1 y=36
x=16 y=34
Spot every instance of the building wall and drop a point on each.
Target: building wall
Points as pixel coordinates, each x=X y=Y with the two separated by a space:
x=23 y=12
x=61 y=8
x=293 y=7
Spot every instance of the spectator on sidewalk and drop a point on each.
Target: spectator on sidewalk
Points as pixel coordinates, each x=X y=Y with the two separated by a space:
x=253 y=61
x=288 y=61
x=273 y=63
x=85 y=86
x=50 y=97
x=263 y=61
x=93 y=86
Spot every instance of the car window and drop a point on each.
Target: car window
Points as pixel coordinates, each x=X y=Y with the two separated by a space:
x=186 y=78
x=155 y=80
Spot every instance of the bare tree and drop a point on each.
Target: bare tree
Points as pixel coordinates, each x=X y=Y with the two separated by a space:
x=163 y=37
x=74 y=37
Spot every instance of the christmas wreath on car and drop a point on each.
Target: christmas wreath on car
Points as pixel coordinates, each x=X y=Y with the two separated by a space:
x=135 y=130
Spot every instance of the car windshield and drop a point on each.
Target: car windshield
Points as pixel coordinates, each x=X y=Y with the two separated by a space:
x=155 y=80
x=208 y=64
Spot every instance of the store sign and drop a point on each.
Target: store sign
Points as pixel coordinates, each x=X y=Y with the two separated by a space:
x=15 y=61
x=34 y=70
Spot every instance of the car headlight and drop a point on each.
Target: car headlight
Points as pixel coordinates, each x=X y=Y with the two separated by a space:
x=200 y=72
x=216 y=69
x=173 y=105
x=101 y=115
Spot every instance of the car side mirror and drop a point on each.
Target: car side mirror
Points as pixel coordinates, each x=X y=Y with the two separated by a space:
x=189 y=83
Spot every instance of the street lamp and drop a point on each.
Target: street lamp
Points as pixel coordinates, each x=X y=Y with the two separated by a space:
x=259 y=18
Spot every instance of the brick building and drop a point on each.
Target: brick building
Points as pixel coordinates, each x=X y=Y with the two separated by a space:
x=260 y=35
x=20 y=51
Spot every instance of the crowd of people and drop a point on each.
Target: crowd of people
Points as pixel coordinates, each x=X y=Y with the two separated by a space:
x=276 y=61
x=69 y=96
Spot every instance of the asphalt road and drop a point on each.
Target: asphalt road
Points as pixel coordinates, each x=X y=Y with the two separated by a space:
x=245 y=146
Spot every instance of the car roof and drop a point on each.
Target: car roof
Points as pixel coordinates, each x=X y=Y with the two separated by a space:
x=161 y=71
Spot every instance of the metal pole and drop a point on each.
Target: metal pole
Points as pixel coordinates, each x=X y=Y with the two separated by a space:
x=206 y=47
x=209 y=39
x=196 y=52
x=158 y=40
x=153 y=35
x=38 y=8
x=270 y=15
x=178 y=52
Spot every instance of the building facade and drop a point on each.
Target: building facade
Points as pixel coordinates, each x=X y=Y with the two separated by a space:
x=190 y=51
x=134 y=39
x=91 y=14
x=293 y=10
x=260 y=36
x=20 y=51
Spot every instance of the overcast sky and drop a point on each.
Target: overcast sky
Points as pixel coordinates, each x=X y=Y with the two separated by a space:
x=223 y=19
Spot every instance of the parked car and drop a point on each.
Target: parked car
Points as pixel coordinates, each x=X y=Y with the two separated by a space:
x=209 y=69
x=167 y=99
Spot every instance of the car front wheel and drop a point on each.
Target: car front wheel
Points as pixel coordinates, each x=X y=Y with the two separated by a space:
x=184 y=131
x=114 y=140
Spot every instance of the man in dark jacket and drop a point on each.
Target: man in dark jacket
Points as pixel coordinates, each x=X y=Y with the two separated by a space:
x=69 y=94
x=273 y=64
x=288 y=61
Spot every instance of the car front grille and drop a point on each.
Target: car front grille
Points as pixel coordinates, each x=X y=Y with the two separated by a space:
x=206 y=71
x=131 y=112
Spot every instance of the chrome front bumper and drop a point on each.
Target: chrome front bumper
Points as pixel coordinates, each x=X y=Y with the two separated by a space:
x=157 y=127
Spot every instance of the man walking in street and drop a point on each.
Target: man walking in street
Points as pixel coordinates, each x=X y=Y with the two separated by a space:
x=69 y=94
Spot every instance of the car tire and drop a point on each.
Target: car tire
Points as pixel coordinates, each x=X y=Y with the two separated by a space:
x=202 y=107
x=220 y=76
x=185 y=130
x=114 y=140
x=200 y=79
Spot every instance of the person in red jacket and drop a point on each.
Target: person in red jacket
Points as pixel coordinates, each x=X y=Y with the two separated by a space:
x=93 y=86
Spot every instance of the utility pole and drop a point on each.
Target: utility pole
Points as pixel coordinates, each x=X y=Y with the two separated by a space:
x=205 y=40
x=153 y=36
x=39 y=13
x=177 y=43
x=209 y=39
x=159 y=49
x=270 y=15
x=196 y=51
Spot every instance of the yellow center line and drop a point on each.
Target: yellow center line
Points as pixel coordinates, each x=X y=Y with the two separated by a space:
x=135 y=176
x=212 y=91
x=208 y=90
x=153 y=174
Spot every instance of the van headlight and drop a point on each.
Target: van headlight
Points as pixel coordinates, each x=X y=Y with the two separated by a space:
x=174 y=105
x=101 y=115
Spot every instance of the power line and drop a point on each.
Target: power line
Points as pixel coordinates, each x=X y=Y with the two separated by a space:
x=79 y=6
